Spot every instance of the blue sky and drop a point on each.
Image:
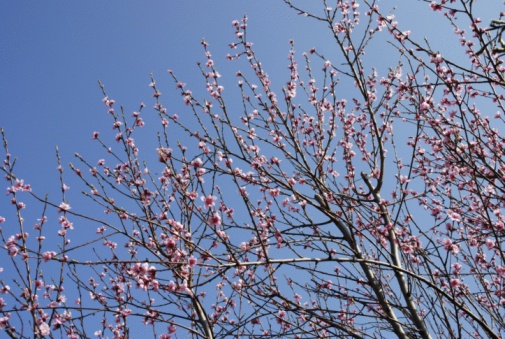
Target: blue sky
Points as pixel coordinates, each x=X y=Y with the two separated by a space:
x=53 y=53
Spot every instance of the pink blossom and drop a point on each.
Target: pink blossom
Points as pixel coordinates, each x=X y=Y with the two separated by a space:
x=436 y=7
x=197 y=163
x=4 y=320
x=172 y=286
x=455 y=283
x=13 y=251
x=243 y=191
x=192 y=261
x=63 y=207
x=447 y=244
x=490 y=244
x=450 y=246
x=209 y=201
x=275 y=161
x=183 y=288
x=20 y=186
x=215 y=220
x=164 y=154
x=65 y=223
x=424 y=106
x=44 y=329
x=404 y=179
x=454 y=216
x=274 y=192
x=48 y=255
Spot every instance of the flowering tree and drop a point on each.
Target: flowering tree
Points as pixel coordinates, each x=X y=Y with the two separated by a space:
x=301 y=212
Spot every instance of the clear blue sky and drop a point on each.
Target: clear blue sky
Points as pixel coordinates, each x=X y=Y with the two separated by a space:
x=52 y=53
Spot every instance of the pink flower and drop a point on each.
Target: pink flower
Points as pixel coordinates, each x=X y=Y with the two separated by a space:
x=13 y=251
x=404 y=179
x=172 y=286
x=424 y=106
x=20 y=186
x=63 y=207
x=455 y=283
x=436 y=7
x=454 y=216
x=243 y=191
x=197 y=163
x=44 y=329
x=48 y=255
x=65 y=223
x=164 y=154
x=192 y=261
x=490 y=243
x=183 y=288
x=275 y=161
x=274 y=192
x=215 y=220
x=449 y=246
x=209 y=201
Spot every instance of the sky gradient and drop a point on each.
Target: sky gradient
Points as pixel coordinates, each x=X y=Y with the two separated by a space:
x=53 y=54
